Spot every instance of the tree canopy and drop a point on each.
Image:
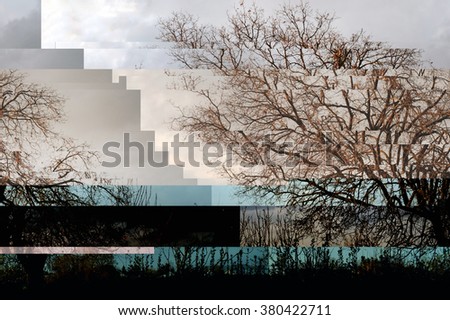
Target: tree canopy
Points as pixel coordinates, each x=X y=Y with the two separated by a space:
x=351 y=132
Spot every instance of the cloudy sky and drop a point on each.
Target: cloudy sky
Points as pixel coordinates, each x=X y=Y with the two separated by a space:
x=20 y=24
x=121 y=35
x=131 y=23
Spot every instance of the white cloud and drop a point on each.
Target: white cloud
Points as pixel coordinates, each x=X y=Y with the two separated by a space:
x=127 y=59
x=87 y=20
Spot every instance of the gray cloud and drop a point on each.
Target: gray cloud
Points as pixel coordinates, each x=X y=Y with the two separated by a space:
x=24 y=32
x=16 y=9
x=41 y=58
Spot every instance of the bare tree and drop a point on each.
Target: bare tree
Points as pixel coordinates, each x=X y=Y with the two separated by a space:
x=269 y=227
x=40 y=168
x=350 y=132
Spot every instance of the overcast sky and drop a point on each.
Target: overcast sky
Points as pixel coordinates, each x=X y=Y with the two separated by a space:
x=20 y=25
x=403 y=23
x=131 y=23
x=121 y=35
